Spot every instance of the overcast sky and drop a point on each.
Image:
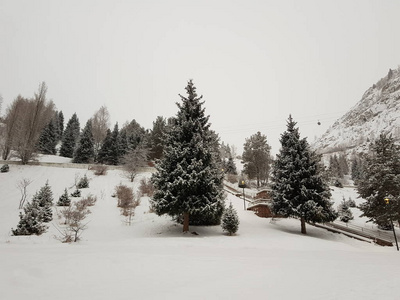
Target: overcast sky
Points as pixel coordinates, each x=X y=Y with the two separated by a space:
x=254 y=62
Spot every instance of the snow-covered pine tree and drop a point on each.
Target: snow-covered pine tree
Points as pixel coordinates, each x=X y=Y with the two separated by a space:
x=230 y=220
x=64 y=199
x=344 y=211
x=83 y=182
x=110 y=151
x=298 y=189
x=48 y=139
x=60 y=127
x=188 y=180
x=31 y=221
x=44 y=200
x=230 y=166
x=381 y=179
x=85 y=151
x=70 y=137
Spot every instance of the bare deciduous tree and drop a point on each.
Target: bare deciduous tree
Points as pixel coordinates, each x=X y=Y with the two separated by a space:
x=133 y=160
x=24 y=121
x=74 y=216
x=100 y=124
x=22 y=185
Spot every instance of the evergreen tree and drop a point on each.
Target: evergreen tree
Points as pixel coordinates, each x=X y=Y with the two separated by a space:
x=157 y=138
x=356 y=169
x=298 y=189
x=85 y=151
x=70 y=137
x=31 y=222
x=256 y=158
x=381 y=180
x=344 y=211
x=230 y=220
x=48 y=139
x=64 y=199
x=230 y=166
x=60 y=126
x=83 y=183
x=44 y=199
x=188 y=178
x=105 y=148
x=110 y=151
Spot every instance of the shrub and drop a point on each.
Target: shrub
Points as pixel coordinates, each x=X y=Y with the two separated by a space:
x=31 y=222
x=99 y=169
x=124 y=195
x=89 y=200
x=4 y=169
x=64 y=199
x=74 y=215
x=76 y=193
x=146 y=187
x=83 y=182
x=230 y=220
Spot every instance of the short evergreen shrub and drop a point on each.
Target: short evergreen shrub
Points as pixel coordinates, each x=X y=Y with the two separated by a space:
x=83 y=182
x=4 y=169
x=230 y=220
x=31 y=221
x=64 y=199
x=76 y=193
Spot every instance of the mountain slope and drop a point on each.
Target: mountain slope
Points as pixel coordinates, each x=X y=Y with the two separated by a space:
x=378 y=111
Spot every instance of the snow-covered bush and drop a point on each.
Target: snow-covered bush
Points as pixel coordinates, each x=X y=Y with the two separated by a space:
x=74 y=216
x=64 y=199
x=146 y=187
x=230 y=220
x=4 y=169
x=31 y=221
x=76 y=193
x=344 y=212
x=99 y=169
x=83 y=182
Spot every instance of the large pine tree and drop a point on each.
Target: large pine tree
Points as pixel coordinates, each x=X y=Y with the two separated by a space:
x=85 y=151
x=70 y=137
x=380 y=180
x=298 y=189
x=188 y=178
x=48 y=139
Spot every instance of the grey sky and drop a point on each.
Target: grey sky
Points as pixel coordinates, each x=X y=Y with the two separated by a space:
x=254 y=61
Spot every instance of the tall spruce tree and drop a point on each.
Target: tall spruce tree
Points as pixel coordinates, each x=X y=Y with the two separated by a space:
x=298 y=189
x=48 y=139
x=380 y=180
x=85 y=151
x=188 y=178
x=60 y=126
x=70 y=137
x=110 y=153
x=157 y=138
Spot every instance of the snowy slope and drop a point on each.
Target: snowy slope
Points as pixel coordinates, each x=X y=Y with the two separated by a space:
x=378 y=111
x=153 y=259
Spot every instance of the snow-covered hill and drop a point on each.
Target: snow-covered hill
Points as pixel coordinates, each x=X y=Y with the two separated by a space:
x=378 y=111
x=153 y=259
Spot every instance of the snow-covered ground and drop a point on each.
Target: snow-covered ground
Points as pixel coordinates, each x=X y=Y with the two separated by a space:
x=153 y=259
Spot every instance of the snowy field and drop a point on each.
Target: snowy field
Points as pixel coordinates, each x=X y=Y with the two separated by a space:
x=153 y=259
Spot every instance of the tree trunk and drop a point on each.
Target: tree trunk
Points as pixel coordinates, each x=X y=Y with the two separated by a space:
x=185 y=222
x=303 y=226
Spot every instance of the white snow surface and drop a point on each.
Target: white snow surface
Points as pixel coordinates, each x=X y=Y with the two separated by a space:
x=153 y=259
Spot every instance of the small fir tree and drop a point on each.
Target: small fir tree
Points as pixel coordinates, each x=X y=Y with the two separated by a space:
x=298 y=189
x=85 y=151
x=76 y=193
x=83 y=182
x=31 y=221
x=345 y=214
x=64 y=199
x=230 y=220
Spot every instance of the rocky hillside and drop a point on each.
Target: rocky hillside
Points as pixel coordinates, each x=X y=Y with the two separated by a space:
x=377 y=111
